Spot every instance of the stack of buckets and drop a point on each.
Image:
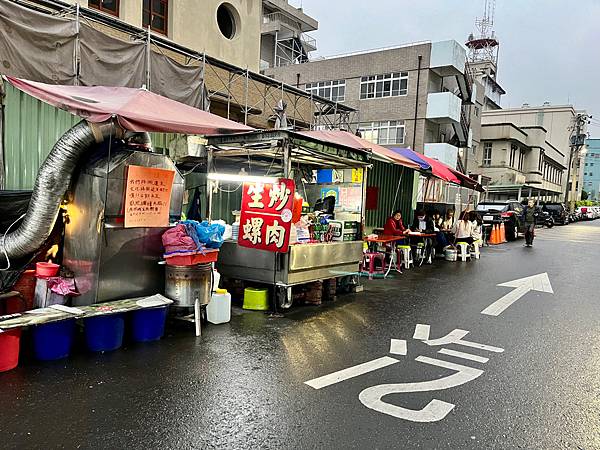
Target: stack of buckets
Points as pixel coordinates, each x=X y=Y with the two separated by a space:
x=54 y=340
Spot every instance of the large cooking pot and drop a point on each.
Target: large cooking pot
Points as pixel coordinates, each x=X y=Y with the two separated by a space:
x=185 y=284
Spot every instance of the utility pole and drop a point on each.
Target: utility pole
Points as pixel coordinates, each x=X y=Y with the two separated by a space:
x=577 y=142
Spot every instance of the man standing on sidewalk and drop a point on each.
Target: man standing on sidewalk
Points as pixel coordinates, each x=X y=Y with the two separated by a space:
x=530 y=215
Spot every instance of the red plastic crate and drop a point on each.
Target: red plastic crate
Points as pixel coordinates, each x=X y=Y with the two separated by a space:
x=209 y=256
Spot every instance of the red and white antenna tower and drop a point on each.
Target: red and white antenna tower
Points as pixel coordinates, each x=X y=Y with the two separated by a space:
x=483 y=45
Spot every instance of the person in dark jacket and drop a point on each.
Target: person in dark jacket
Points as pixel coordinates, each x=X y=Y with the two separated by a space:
x=530 y=217
x=394 y=225
x=422 y=223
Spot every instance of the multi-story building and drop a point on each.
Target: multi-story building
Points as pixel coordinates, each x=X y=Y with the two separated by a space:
x=591 y=169
x=284 y=34
x=525 y=152
x=417 y=95
x=229 y=31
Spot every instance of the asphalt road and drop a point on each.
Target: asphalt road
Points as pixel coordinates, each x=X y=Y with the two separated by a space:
x=242 y=385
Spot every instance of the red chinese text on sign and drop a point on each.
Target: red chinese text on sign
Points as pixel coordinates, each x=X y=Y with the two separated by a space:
x=265 y=220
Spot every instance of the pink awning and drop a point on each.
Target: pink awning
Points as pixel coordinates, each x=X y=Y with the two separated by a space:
x=134 y=109
x=352 y=141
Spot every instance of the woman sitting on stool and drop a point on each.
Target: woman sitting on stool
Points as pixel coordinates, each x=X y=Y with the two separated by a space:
x=463 y=229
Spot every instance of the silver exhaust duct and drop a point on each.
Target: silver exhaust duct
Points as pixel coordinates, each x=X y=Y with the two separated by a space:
x=51 y=184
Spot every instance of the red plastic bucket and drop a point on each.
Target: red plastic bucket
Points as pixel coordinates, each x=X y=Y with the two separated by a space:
x=46 y=269
x=9 y=349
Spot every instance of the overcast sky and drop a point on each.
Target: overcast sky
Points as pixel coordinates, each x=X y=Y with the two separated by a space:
x=549 y=49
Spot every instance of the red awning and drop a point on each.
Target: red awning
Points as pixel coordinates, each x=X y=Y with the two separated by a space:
x=134 y=109
x=353 y=141
x=441 y=170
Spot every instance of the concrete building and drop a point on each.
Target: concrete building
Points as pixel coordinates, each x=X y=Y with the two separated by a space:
x=525 y=152
x=284 y=34
x=417 y=95
x=229 y=31
x=591 y=169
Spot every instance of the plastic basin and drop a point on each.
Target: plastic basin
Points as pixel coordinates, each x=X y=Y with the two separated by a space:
x=148 y=324
x=46 y=269
x=104 y=333
x=10 y=342
x=54 y=340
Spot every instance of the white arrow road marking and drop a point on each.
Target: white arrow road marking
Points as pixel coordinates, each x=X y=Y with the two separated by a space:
x=351 y=372
x=522 y=286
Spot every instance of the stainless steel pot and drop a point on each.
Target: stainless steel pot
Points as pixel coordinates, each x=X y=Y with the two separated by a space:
x=185 y=284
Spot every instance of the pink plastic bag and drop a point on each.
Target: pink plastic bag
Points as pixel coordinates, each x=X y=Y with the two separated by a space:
x=176 y=239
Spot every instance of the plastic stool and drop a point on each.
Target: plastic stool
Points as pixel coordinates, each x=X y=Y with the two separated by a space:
x=463 y=251
x=256 y=299
x=406 y=253
x=475 y=253
x=369 y=260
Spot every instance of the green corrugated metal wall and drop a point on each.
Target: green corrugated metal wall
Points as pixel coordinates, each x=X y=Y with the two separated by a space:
x=31 y=129
x=386 y=177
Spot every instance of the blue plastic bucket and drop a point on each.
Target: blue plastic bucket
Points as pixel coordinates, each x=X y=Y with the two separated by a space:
x=104 y=333
x=53 y=340
x=148 y=324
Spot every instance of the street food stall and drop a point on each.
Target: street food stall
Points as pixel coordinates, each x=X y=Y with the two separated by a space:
x=318 y=241
x=113 y=198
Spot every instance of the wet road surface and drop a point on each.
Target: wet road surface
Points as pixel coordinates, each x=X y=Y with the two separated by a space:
x=242 y=384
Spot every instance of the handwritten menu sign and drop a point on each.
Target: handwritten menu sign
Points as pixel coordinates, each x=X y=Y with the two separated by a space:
x=266 y=216
x=148 y=196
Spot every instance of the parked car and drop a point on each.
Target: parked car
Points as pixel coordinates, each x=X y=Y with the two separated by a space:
x=558 y=212
x=508 y=212
x=585 y=212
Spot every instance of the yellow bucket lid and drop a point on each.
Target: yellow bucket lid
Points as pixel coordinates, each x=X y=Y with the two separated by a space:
x=221 y=291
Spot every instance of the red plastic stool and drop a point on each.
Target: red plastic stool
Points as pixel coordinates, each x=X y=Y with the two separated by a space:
x=369 y=261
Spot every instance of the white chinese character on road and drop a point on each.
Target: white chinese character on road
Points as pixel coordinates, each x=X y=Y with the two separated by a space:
x=255 y=191
x=435 y=410
x=275 y=234
x=253 y=230
x=281 y=193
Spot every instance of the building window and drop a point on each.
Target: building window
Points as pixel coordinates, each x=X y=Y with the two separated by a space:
x=383 y=133
x=487 y=154
x=155 y=15
x=521 y=160
x=513 y=152
x=107 y=6
x=331 y=90
x=388 y=85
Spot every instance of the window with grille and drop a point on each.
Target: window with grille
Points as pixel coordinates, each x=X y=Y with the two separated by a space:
x=387 y=85
x=107 y=6
x=331 y=90
x=384 y=133
x=155 y=13
x=487 y=154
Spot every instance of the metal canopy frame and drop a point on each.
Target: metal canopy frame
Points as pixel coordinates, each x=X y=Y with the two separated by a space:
x=287 y=147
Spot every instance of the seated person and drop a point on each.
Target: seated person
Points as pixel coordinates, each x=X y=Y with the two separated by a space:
x=463 y=229
x=448 y=221
x=422 y=223
x=394 y=225
x=477 y=222
x=437 y=220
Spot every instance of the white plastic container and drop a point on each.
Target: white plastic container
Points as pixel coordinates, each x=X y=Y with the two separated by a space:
x=218 y=309
x=216 y=279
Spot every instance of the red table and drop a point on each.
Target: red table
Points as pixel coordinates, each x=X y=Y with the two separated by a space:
x=427 y=251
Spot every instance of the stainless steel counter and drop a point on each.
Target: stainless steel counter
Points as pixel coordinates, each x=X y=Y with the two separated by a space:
x=302 y=264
